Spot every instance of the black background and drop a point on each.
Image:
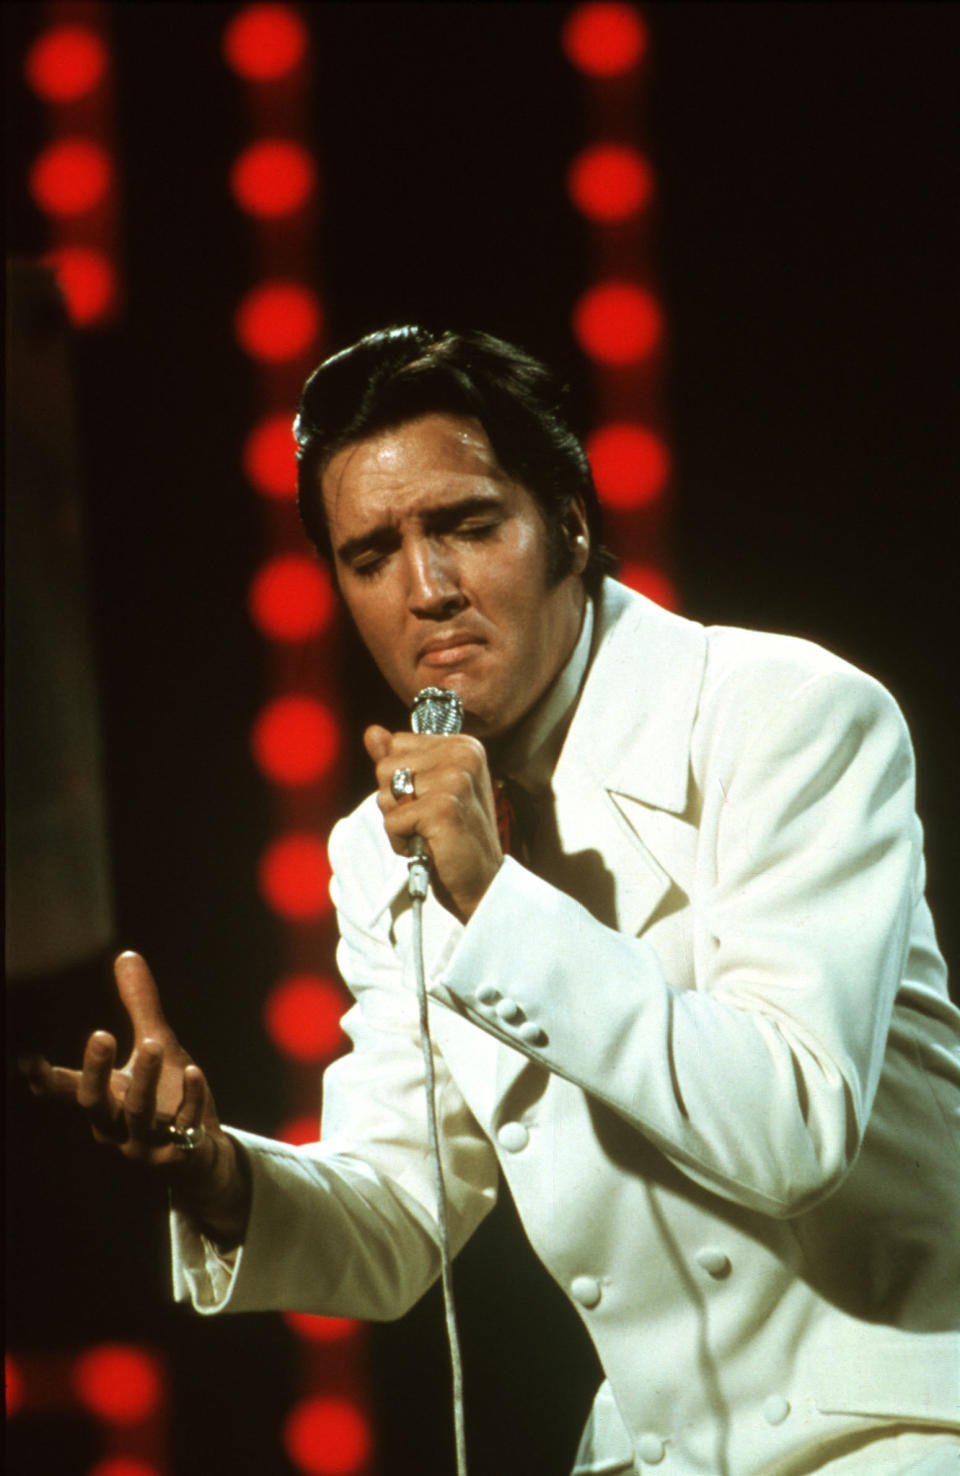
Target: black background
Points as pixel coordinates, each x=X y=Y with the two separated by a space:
x=806 y=247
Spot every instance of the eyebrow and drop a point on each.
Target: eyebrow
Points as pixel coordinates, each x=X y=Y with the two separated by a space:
x=436 y=519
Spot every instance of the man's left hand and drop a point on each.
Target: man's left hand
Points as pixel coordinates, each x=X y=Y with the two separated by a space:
x=452 y=809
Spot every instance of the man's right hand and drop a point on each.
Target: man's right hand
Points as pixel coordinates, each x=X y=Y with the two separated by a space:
x=134 y=1106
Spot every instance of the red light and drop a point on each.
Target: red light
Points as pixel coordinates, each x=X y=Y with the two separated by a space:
x=291 y=598
x=299 y=1130
x=273 y=177
x=320 y=1329
x=87 y=280
x=264 y=42
x=302 y=1017
x=65 y=63
x=630 y=464
x=12 y=1385
x=295 y=877
x=122 y=1466
x=278 y=321
x=295 y=740
x=70 y=177
x=617 y=322
x=610 y=182
x=648 y=580
x=269 y=457
x=327 y=1437
x=118 y=1384
x=604 y=40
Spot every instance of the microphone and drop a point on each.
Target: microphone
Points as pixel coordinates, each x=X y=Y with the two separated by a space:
x=435 y=710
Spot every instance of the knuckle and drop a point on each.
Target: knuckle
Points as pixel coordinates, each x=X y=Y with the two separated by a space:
x=448 y=805
x=473 y=749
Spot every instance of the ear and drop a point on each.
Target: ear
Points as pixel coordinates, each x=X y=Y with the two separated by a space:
x=577 y=534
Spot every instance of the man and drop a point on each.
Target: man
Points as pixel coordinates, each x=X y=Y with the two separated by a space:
x=699 y=1023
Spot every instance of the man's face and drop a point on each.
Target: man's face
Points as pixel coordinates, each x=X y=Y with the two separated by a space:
x=442 y=561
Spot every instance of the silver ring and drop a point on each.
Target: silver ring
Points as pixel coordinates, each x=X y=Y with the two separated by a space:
x=401 y=785
x=186 y=1139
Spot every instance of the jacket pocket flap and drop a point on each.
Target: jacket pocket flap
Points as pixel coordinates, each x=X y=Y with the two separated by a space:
x=889 y=1373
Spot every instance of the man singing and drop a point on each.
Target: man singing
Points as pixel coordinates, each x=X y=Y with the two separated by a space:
x=696 y=1016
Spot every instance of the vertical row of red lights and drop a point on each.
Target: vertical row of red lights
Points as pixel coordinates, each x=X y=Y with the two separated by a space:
x=73 y=181
x=73 y=178
x=297 y=738
x=618 y=320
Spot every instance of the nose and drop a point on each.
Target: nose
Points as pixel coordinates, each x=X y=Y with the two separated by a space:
x=433 y=585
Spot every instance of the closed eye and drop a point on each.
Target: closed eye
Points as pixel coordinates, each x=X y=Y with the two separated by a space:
x=369 y=565
x=478 y=530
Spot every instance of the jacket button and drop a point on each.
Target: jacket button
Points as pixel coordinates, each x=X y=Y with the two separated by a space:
x=586 y=1290
x=713 y=1261
x=776 y=1409
x=488 y=994
x=508 y=1010
x=531 y=1033
x=651 y=1449
x=513 y=1136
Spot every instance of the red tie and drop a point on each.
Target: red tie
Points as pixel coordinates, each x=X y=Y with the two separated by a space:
x=508 y=827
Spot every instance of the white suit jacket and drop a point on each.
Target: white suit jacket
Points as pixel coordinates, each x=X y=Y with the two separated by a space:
x=709 y=1047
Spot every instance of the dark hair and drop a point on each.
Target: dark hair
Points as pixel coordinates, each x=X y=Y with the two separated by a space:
x=398 y=374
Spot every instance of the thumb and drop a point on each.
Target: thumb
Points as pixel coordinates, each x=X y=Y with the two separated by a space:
x=140 y=997
x=378 y=742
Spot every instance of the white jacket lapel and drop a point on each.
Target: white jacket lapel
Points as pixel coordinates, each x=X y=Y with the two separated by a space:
x=626 y=759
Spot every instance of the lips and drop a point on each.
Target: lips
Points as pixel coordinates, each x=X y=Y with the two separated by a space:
x=448 y=650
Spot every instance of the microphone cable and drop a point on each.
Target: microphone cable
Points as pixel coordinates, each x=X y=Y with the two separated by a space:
x=436 y=710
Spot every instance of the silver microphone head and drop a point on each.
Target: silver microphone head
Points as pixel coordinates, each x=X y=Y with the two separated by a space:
x=435 y=710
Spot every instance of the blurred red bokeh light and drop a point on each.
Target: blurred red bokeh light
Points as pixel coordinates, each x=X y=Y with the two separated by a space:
x=119 y=1384
x=610 y=182
x=269 y=457
x=327 y=1436
x=264 y=42
x=617 y=322
x=291 y=598
x=273 y=177
x=302 y=1014
x=123 y=1466
x=320 y=1329
x=296 y=740
x=12 y=1385
x=70 y=176
x=278 y=321
x=87 y=280
x=295 y=877
x=65 y=63
x=648 y=580
x=630 y=464
x=605 y=40
x=299 y=1130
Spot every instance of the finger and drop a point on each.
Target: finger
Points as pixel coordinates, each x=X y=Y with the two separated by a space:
x=377 y=741
x=193 y=1106
x=141 y=1099
x=93 y=1089
x=424 y=750
x=45 y=1080
x=408 y=751
x=140 y=996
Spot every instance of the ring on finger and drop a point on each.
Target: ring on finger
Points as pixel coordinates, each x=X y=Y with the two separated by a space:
x=185 y=1138
x=401 y=785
